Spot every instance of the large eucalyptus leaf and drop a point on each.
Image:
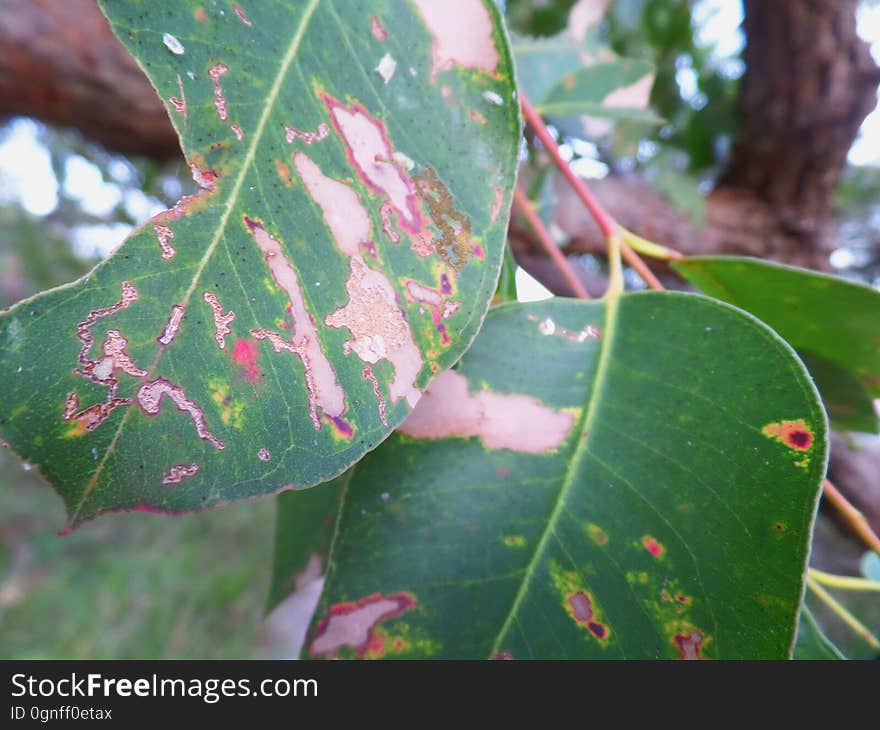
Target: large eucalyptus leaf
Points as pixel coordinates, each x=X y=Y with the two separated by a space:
x=834 y=323
x=630 y=479
x=356 y=160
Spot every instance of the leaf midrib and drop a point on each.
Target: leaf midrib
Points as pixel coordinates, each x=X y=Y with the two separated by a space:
x=256 y=138
x=583 y=439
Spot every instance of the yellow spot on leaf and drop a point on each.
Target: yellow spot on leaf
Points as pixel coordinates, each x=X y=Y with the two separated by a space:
x=230 y=410
x=597 y=534
x=515 y=541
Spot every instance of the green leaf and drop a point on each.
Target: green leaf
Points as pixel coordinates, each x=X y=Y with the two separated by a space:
x=303 y=530
x=356 y=164
x=847 y=400
x=566 y=78
x=506 y=289
x=823 y=317
x=542 y=62
x=638 y=479
x=617 y=89
x=811 y=640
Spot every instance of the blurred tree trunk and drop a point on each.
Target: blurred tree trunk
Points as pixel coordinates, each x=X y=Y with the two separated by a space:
x=60 y=62
x=809 y=83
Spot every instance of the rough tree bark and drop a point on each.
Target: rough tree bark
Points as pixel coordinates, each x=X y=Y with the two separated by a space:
x=60 y=62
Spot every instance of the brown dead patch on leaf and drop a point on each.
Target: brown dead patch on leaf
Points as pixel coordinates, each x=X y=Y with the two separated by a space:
x=371 y=154
x=320 y=377
x=340 y=206
x=379 y=329
x=352 y=624
x=176 y=474
x=149 y=398
x=221 y=321
x=499 y=420
x=102 y=371
x=689 y=645
x=462 y=33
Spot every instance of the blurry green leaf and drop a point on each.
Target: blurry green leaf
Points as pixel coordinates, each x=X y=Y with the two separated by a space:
x=542 y=62
x=616 y=89
x=638 y=479
x=870 y=566
x=820 y=316
x=271 y=329
x=812 y=642
x=539 y=19
x=849 y=405
x=304 y=524
x=506 y=290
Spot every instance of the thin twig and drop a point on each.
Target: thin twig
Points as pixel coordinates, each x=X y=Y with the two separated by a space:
x=856 y=519
x=606 y=223
x=842 y=613
x=524 y=205
x=844 y=582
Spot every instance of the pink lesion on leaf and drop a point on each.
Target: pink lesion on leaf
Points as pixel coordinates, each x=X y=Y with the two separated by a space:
x=580 y=608
x=340 y=206
x=371 y=154
x=216 y=72
x=379 y=329
x=341 y=427
x=462 y=35
x=497 y=203
x=548 y=327
x=499 y=420
x=291 y=134
x=103 y=370
x=264 y=455
x=653 y=546
x=441 y=308
x=176 y=474
x=240 y=14
x=689 y=645
x=377 y=29
x=204 y=177
x=237 y=131
x=172 y=327
x=149 y=398
x=796 y=435
x=283 y=173
x=387 y=226
x=164 y=235
x=221 y=321
x=352 y=624
x=367 y=373
x=179 y=104
x=244 y=355
x=323 y=389
x=478 y=118
x=89 y=418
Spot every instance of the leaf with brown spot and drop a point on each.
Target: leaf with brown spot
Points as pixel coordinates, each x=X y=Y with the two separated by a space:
x=607 y=493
